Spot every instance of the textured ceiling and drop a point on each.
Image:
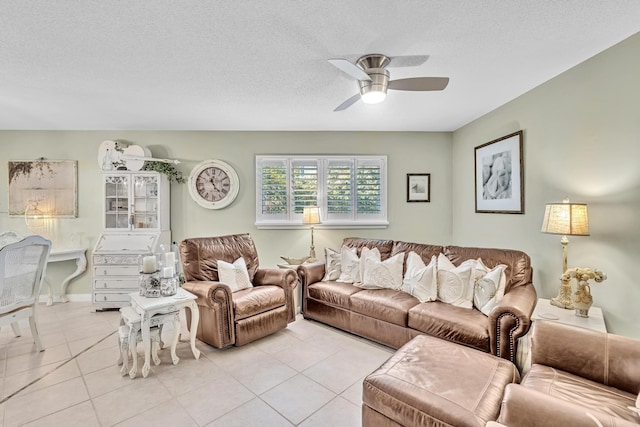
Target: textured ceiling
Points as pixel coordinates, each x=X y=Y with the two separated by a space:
x=262 y=65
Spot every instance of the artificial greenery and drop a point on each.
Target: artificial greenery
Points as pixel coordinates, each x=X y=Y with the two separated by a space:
x=167 y=169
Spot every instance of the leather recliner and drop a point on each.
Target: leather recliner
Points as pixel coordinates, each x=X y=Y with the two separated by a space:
x=235 y=318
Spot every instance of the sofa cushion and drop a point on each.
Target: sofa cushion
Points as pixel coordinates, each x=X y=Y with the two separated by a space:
x=384 y=246
x=256 y=300
x=518 y=263
x=333 y=293
x=384 y=304
x=234 y=275
x=461 y=325
x=332 y=265
x=349 y=265
x=581 y=391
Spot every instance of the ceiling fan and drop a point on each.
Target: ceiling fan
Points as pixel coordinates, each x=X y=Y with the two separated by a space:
x=373 y=77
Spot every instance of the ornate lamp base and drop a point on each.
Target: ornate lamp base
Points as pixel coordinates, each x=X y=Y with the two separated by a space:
x=564 y=300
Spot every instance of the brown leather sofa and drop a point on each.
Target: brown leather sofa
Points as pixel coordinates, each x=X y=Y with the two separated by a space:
x=394 y=317
x=235 y=318
x=575 y=372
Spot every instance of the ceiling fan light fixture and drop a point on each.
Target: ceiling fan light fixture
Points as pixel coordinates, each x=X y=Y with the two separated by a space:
x=373 y=97
x=374 y=91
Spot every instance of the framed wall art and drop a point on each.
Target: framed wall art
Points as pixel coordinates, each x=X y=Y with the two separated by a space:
x=50 y=186
x=418 y=187
x=499 y=175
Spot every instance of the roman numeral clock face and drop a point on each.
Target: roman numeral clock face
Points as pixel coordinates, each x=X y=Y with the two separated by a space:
x=213 y=184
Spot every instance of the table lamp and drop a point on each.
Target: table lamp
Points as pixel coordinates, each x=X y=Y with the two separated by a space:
x=311 y=216
x=567 y=219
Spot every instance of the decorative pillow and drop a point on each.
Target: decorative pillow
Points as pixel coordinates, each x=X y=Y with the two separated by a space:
x=234 y=275
x=349 y=265
x=455 y=284
x=489 y=286
x=420 y=280
x=379 y=274
x=332 y=265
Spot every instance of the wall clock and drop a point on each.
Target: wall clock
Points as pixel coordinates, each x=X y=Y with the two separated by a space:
x=213 y=184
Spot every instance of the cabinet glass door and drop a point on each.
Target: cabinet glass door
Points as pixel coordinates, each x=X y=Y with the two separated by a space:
x=117 y=202
x=145 y=200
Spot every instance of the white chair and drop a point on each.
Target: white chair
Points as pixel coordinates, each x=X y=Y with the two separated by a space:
x=22 y=269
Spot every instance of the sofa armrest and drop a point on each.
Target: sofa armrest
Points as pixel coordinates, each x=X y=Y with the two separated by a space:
x=310 y=273
x=510 y=319
x=608 y=359
x=285 y=278
x=525 y=407
x=216 y=312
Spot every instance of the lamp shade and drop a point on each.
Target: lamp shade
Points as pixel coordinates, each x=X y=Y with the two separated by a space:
x=311 y=215
x=570 y=219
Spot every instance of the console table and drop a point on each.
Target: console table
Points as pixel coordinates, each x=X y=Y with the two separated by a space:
x=545 y=311
x=149 y=307
x=59 y=255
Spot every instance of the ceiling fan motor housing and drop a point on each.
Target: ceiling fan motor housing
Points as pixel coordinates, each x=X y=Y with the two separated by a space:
x=378 y=83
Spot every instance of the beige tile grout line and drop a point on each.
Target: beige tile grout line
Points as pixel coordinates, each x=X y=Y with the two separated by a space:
x=55 y=369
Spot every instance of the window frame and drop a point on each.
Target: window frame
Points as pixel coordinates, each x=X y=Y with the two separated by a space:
x=292 y=220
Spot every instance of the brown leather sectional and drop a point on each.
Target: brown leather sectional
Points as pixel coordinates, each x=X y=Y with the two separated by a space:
x=394 y=317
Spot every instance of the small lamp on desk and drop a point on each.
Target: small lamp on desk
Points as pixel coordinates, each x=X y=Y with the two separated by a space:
x=311 y=216
x=567 y=219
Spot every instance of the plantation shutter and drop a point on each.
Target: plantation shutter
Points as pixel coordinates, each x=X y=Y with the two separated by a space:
x=304 y=184
x=339 y=189
x=272 y=200
x=368 y=188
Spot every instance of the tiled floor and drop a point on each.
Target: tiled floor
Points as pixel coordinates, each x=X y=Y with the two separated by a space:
x=307 y=375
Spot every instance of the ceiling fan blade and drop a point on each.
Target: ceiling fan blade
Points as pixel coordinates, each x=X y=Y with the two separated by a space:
x=351 y=69
x=348 y=103
x=408 y=60
x=420 y=83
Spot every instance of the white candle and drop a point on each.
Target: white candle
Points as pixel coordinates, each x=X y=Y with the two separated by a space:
x=167 y=272
x=149 y=264
x=169 y=259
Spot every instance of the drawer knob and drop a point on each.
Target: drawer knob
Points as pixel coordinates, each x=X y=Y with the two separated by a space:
x=105 y=297
x=105 y=272
x=104 y=285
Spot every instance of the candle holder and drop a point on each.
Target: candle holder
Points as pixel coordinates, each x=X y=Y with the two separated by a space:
x=168 y=286
x=150 y=284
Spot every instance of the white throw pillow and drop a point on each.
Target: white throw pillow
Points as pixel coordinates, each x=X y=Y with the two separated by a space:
x=379 y=274
x=489 y=286
x=455 y=284
x=234 y=275
x=421 y=280
x=349 y=265
x=332 y=265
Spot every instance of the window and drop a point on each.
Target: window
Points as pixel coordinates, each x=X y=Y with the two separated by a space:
x=350 y=190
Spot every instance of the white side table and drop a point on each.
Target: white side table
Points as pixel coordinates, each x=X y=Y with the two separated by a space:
x=148 y=307
x=58 y=255
x=545 y=311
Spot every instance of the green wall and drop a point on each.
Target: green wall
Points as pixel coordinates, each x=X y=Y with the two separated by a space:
x=408 y=152
x=582 y=140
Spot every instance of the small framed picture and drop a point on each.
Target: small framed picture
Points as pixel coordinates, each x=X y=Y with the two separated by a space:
x=499 y=175
x=418 y=187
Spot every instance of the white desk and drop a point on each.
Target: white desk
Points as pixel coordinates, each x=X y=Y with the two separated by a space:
x=545 y=311
x=149 y=307
x=59 y=255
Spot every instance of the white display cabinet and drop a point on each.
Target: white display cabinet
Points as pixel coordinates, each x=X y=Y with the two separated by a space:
x=136 y=222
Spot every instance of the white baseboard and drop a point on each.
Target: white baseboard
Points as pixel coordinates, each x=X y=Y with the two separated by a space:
x=71 y=297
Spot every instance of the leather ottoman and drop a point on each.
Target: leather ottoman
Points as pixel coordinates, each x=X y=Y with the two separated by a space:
x=433 y=382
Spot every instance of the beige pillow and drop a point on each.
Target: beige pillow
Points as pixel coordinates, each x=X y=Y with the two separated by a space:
x=349 y=265
x=379 y=274
x=489 y=286
x=234 y=275
x=455 y=284
x=420 y=280
x=332 y=265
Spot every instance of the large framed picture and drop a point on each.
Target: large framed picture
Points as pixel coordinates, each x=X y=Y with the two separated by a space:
x=418 y=187
x=499 y=175
x=48 y=187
